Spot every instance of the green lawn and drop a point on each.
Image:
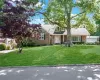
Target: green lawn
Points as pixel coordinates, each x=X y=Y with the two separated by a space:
x=52 y=55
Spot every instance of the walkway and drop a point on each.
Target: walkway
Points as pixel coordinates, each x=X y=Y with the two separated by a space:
x=7 y=51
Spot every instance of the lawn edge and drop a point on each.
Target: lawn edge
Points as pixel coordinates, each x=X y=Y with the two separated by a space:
x=49 y=65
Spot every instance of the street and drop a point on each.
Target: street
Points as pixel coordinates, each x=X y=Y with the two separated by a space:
x=90 y=72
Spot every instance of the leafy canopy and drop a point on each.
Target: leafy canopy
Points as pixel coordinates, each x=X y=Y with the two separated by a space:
x=15 y=18
x=58 y=10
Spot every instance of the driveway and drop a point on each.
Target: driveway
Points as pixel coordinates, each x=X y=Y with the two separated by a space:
x=90 y=72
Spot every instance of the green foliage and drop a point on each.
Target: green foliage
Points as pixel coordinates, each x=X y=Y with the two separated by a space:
x=96 y=17
x=97 y=43
x=56 y=14
x=1 y=3
x=2 y=46
x=57 y=9
x=84 y=20
x=97 y=21
x=97 y=33
x=31 y=1
x=90 y=43
x=28 y=42
x=78 y=43
x=8 y=47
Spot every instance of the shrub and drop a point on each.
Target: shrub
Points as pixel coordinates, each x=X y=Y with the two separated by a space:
x=8 y=48
x=2 y=46
x=97 y=43
x=90 y=43
x=28 y=42
x=13 y=45
x=78 y=42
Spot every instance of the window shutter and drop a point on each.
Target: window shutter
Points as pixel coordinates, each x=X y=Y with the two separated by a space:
x=44 y=36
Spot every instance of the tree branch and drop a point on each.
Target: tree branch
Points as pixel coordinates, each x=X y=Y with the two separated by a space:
x=77 y=14
x=53 y=22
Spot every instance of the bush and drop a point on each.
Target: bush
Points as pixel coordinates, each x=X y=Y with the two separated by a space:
x=90 y=43
x=2 y=46
x=97 y=43
x=8 y=48
x=78 y=42
x=28 y=42
x=13 y=45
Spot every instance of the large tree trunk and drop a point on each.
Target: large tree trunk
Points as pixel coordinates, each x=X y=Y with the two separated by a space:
x=68 y=30
x=68 y=36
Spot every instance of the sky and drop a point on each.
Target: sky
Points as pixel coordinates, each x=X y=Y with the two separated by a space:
x=38 y=19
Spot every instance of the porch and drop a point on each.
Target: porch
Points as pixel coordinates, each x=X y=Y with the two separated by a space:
x=60 y=39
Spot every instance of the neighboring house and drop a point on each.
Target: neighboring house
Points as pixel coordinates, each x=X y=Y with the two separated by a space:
x=51 y=34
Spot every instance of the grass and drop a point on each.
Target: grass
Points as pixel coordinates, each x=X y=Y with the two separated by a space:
x=52 y=55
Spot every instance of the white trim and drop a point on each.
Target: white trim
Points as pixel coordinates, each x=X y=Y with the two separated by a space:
x=42 y=36
x=76 y=38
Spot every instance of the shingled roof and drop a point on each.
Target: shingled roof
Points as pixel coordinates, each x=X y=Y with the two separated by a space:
x=74 y=31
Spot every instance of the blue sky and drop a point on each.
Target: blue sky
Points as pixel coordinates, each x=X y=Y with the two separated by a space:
x=39 y=18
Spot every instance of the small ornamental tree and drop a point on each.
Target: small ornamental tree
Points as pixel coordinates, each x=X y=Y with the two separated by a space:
x=15 y=21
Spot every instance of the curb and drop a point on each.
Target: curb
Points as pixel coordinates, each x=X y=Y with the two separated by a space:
x=49 y=65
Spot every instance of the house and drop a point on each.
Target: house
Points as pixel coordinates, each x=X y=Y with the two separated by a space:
x=51 y=34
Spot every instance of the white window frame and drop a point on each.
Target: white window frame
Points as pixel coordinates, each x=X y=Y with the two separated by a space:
x=42 y=36
x=76 y=39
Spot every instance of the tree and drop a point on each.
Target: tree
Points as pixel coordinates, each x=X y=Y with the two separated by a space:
x=59 y=13
x=97 y=21
x=1 y=3
x=85 y=21
x=15 y=22
x=96 y=18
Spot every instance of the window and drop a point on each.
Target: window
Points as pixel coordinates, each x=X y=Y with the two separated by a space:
x=76 y=39
x=59 y=29
x=63 y=29
x=1 y=34
x=42 y=36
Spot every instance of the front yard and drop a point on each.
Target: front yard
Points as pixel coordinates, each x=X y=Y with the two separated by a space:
x=52 y=55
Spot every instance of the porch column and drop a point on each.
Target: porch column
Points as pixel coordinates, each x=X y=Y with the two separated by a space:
x=63 y=38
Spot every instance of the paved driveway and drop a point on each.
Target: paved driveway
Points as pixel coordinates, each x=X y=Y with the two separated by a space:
x=51 y=73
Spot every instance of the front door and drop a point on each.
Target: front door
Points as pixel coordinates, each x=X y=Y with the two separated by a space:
x=57 y=39
x=62 y=39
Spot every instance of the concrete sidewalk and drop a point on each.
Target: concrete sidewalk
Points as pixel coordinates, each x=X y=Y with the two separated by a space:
x=90 y=72
x=7 y=51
